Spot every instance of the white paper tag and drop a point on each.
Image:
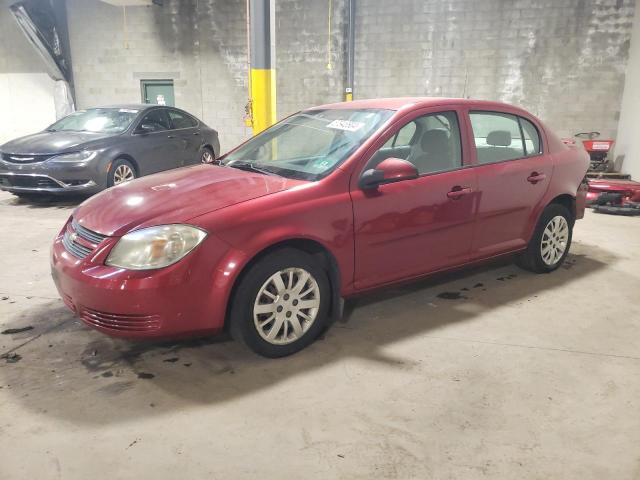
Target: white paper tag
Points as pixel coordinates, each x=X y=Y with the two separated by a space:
x=346 y=125
x=128 y=110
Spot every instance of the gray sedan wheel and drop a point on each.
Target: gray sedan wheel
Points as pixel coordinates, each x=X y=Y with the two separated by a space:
x=121 y=172
x=206 y=156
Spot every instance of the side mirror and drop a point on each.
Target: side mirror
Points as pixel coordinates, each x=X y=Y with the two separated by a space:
x=145 y=128
x=390 y=170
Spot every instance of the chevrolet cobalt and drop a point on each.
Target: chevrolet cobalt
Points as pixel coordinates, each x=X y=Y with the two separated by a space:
x=330 y=202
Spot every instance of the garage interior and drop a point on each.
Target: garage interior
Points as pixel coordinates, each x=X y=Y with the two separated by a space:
x=487 y=372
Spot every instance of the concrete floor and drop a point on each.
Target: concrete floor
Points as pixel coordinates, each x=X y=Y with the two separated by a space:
x=525 y=377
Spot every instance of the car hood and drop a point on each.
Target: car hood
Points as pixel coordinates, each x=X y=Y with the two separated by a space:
x=175 y=196
x=44 y=143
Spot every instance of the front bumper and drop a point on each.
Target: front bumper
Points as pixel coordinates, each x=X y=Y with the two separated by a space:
x=184 y=299
x=50 y=177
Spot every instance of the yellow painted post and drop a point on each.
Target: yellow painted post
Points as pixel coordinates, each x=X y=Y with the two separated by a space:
x=263 y=98
x=263 y=75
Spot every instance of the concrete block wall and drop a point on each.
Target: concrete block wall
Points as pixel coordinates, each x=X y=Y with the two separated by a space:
x=564 y=60
x=201 y=45
x=310 y=45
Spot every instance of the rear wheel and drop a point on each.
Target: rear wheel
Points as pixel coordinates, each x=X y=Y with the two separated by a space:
x=207 y=155
x=550 y=242
x=281 y=304
x=121 y=171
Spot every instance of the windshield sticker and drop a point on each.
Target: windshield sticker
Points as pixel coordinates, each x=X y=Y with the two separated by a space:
x=128 y=110
x=346 y=125
x=321 y=164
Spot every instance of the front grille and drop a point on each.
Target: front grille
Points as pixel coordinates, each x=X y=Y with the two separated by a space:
x=88 y=235
x=77 y=248
x=28 y=181
x=74 y=247
x=120 y=322
x=21 y=159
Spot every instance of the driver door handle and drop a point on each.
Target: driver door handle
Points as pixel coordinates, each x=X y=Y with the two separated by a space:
x=458 y=192
x=170 y=136
x=536 y=177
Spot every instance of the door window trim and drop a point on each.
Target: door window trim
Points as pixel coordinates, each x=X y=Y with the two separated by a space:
x=144 y=114
x=518 y=117
x=404 y=121
x=197 y=125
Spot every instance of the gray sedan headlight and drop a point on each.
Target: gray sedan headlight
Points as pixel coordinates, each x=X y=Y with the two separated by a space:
x=83 y=156
x=155 y=247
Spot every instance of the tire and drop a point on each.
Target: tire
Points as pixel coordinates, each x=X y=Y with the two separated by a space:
x=538 y=259
x=119 y=167
x=207 y=155
x=280 y=307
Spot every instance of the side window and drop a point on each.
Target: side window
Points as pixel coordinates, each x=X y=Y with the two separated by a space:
x=497 y=137
x=431 y=143
x=531 y=137
x=156 y=119
x=402 y=137
x=405 y=135
x=181 y=120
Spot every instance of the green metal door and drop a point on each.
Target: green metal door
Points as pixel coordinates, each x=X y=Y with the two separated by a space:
x=159 y=92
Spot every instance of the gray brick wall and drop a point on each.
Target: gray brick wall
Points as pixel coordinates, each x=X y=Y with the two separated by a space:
x=564 y=60
x=201 y=45
x=310 y=44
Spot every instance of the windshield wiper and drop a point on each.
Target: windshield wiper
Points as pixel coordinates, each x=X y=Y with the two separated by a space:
x=249 y=167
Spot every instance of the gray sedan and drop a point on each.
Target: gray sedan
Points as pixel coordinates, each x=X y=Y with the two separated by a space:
x=94 y=149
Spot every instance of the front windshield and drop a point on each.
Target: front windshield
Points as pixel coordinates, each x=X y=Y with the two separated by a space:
x=308 y=145
x=102 y=120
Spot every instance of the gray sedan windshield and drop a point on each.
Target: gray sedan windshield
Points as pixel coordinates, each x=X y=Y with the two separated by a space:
x=103 y=120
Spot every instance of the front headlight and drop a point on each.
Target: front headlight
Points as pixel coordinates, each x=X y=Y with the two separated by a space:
x=155 y=247
x=83 y=156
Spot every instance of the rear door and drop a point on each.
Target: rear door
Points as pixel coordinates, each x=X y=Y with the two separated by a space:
x=513 y=174
x=157 y=148
x=185 y=128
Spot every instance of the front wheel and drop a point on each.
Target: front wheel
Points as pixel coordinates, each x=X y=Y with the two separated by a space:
x=550 y=242
x=281 y=304
x=121 y=171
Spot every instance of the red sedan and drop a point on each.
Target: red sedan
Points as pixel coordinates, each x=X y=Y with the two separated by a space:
x=330 y=202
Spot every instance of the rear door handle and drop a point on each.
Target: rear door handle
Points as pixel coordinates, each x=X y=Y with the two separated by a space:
x=536 y=177
x=196 y=133
x=458 y=192
x=170 y=136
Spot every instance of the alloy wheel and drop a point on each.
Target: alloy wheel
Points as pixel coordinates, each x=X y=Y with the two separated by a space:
x=123 y=173
x=207 y=156
x=286 y=306
x=555 y=238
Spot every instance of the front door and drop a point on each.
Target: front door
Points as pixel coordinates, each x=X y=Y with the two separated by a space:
x=513 y=176
x=413 y=227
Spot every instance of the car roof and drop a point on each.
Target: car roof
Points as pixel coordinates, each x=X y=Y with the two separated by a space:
x=130 y=106
x=401 y=103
